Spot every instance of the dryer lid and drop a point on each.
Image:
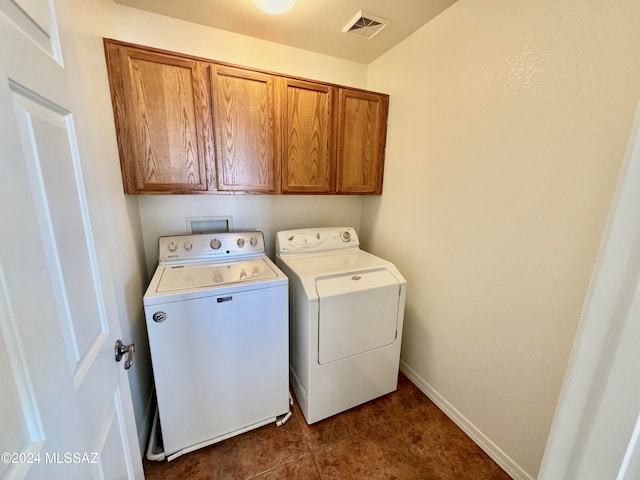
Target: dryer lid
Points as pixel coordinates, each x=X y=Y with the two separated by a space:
x=311 y=267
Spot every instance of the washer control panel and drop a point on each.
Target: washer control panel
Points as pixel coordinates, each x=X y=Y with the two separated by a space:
x=203 y=246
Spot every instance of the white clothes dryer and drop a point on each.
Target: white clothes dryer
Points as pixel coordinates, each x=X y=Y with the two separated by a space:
x=346 y=310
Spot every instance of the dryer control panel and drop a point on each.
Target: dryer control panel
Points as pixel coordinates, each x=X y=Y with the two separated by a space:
x=209 y=246
x=322 y=239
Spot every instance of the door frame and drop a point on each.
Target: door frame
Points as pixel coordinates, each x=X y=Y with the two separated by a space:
x=596 y=429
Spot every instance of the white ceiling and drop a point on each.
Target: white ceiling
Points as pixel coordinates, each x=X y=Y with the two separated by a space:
x=314 y=25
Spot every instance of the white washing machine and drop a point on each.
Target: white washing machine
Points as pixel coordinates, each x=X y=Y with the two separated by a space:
x=217 y=319
x=345 y=323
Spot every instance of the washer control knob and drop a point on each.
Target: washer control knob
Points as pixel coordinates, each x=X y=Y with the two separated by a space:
x=253 y=241
x=172 y=247
x=241 y=242
x=188 y=246
x=345 y=236
x=215 y=244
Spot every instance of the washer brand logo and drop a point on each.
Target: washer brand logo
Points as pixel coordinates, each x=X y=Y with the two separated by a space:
x=224 y=299
x=159 y=317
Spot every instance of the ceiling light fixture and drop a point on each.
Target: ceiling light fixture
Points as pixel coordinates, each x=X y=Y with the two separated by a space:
x=275 y=7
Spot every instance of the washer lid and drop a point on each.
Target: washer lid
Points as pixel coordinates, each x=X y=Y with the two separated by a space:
x=195 y=275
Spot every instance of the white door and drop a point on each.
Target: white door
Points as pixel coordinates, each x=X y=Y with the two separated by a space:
x=65 y=405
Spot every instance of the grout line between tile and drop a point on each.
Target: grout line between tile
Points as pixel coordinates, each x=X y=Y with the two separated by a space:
x=315 y=463
x=282 y=465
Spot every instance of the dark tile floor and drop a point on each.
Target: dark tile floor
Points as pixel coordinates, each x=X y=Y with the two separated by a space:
x=402 y=435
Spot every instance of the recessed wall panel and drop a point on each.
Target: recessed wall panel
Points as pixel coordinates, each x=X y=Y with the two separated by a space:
x=48 y=140
x=36 y=20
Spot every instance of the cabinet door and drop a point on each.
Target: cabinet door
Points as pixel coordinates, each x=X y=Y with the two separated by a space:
x=245 y=130
x=308 y=142
x=362 y=131
x=162 y=111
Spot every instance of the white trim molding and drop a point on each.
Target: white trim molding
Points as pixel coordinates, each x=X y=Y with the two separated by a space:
x=592 y=435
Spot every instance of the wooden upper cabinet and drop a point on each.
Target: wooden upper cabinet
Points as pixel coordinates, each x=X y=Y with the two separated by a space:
x=308 y=141
x=245 y=130
x=362 y=131
x=162 y=113
x=191 y=125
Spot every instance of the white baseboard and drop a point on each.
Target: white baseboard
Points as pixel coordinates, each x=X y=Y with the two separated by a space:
x=498 y=456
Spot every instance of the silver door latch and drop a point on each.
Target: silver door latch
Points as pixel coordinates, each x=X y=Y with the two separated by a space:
x=122 y=350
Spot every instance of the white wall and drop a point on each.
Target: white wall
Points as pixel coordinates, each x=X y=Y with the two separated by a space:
x=154 y=30
x=507 y=128
x=165 y=215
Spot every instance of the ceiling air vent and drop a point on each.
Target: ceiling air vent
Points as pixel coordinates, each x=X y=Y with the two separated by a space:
x=365 y=25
